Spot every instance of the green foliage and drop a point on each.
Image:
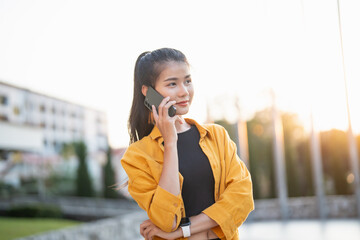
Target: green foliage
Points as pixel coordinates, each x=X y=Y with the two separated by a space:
x=297 y=157
x=261 y=155
x=84 y=187
x=7 y=190
x=67 y=150
x=298 y=161
x=35 y=211
x=336 y=161
x=30 y=186
x=296 y=150
x=305 y=168
x=60 y=185
x=109 y=177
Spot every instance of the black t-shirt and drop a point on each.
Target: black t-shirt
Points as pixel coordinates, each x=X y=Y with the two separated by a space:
x=194 y=166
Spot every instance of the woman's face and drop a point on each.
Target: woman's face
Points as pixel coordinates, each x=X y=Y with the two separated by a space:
x=175 y=81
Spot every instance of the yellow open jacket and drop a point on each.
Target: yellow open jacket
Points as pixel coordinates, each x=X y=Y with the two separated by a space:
x=143 y=162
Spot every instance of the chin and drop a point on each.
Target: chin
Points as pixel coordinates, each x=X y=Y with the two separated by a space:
x=182 y=111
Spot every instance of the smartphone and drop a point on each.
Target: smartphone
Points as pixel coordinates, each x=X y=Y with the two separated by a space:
x=154 y=98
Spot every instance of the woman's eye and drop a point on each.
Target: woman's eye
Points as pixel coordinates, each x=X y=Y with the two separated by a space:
x=172 y=84
x=188 y=81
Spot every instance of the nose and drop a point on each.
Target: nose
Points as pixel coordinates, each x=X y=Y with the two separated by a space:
x=183 y=91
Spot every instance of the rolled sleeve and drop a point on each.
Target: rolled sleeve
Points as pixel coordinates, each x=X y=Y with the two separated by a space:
x=161 y=206
x=167 y=206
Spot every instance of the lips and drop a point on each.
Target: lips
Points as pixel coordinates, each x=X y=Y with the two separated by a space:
x=183 y=103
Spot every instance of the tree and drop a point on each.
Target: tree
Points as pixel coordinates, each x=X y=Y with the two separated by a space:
x=109 y=177
x=336 y=161
x=261 y=154
x=297 y=157
x=84 y=186
x=67 y=150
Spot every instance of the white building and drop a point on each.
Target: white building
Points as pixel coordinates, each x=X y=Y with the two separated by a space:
x=34 y=124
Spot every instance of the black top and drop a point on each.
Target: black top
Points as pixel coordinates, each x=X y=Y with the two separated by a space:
x=194 y=166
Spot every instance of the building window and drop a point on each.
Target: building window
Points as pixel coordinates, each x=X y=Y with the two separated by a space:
x=4 y=117
x=45 y=142
x=16 y=111
x=4 y=155
x=3 y=100
x=42 y=108
x=58 y=147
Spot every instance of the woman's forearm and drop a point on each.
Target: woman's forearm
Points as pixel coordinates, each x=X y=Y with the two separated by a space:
x=194 y=236
x=201 y=223
x=169 y=179
x=201 y=226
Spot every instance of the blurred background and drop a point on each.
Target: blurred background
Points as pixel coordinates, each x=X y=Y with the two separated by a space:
x=281 y=76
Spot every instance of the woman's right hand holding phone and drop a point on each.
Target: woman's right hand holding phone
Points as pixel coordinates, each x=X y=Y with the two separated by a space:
x=165 y=123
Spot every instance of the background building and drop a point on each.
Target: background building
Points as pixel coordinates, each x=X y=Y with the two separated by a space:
x=34 y=127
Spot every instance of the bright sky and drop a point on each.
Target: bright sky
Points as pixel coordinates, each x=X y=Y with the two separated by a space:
x=84 y=51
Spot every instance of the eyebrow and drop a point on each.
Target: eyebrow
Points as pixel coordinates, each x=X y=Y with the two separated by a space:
x=175 y=78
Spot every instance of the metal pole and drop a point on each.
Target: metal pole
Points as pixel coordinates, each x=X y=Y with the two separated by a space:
x=317 y=171
x=351 y=138
x=279 y=160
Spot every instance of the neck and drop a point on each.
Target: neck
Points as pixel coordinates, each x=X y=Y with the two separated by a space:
x=181 y=127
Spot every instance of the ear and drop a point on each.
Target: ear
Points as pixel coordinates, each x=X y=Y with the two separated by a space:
x=144 y=89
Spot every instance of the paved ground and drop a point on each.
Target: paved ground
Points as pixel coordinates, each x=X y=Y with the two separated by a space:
x=347 y=229
x=339 y=229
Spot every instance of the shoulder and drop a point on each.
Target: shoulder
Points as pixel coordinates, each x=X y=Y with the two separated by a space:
x=215 y=129
x=137 y=152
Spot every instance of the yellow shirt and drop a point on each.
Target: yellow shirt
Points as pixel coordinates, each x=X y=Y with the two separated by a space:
x=143 y=162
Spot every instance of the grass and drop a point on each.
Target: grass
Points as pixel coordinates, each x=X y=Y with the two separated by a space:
x=11 y=228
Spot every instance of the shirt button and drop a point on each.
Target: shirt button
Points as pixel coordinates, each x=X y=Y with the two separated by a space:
x=175 y=204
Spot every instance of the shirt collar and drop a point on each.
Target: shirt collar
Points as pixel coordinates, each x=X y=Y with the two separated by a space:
x=155 y=133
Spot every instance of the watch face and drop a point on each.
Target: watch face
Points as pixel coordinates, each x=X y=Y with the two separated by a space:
x=185 y=222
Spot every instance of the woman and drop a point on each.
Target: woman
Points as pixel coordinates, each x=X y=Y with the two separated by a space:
x=185 y=175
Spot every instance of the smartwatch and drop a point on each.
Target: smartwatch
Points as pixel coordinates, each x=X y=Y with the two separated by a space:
x=185 y=226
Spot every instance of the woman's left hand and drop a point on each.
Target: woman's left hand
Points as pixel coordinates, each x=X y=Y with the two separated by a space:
x=148 y=230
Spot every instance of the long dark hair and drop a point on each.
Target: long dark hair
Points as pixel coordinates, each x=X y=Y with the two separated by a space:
x=148 y=67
